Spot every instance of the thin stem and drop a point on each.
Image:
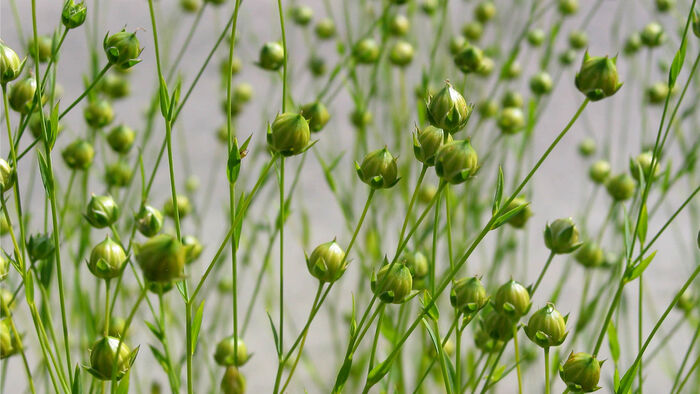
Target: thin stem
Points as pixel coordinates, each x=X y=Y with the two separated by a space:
x=86 y=91
x=546 y=370
x=107 y=310
x=544 y=270
x=517 y=359
x=284 y=69
x=281 y=288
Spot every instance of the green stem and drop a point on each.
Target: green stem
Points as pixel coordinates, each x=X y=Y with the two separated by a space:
x=517 y=359
x=546 y=370
x=493 y=369
x=544 y=270
x=281 y=288
x=107 y=310
x=86 y=91
x=284 y=70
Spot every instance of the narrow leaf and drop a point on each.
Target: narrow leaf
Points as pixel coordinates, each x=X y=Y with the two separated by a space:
x=197 y=325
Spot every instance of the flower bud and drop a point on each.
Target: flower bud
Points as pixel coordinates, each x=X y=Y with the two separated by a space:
x=215 y=2
x=73 y=15
x=581 y=373
x=4 y=266
x=457 y=43
x=78 y=155
x=497 y=326
x=561 y=236
x=486 y=67
x=149 y=221
x=541 y=83
x=392 y=285
x=567 y=57
x=473 y=30
x=427 y=142
x=632 y=44
x=586 y=147
x=468 y=295
x=366 y=51
x=519 y=219
x=7 y=302
x=512 y=299
x=327 y=262
x=118 y=174
x=193 y=248
x=233 y=68
x=488 y=108
x=664 y=5
x=568 y=7
x=456 y=161
x=448 y=110
x=190 y=5
x=621 y=187
x=316 y=114
x=536 y=37
x=225 y=355
x=599 y=171
x=121 y=138
x=122 y=49
x=484 y=342
x=35 y=125
x=590 y=255
x=469 y=59
x=597 y=78
x=4 y=225
x=98 y=114
x=105 y=358
x=8 y=340
x=653 y=35
x=378 y=169
x=107 y=259
x=513 y=71
x=686 y=302
x=40 y=247
x=317 y=65
x=325 y=29
x=183 y=206
x=429 y=6
x=7 y=176
x=242 y=93
x=115 y=86
x=116 y=327
x=578 y=39
x=426 y=193
x=643 y=162
x=44 y=43
x=289 y=134
x=233 y=381
x=102 y=211
x=485 y=11
x=546 y=327
x=361 y=118
x=512 y=99
x=271 y=56
x=399 y=25
x=302 y=15
x=162 y=258
x=417 y=263
x=21 y=94
x=511 y=120
x=657 y=93
x=10 y=65
x=192 y=183
x=401 y=53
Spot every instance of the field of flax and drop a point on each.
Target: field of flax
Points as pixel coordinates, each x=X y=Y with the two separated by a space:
x=386 y=196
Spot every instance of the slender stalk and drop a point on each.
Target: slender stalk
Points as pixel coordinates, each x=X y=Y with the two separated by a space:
x=86 y=91
x=517 y=359
x=544 y=270
x=281 y=288
x=546 y=370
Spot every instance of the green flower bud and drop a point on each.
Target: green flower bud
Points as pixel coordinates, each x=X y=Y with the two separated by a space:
x=399 y=25
x=536 y=37
x=488 y=108
x=302 y=15
x=4 y=266
x=107 y=356
x=316 y=114
x=7 y=176
x=468 y=295
x=519 y=219
x=102 y=211
x=599 y=171
x=378 y=169
x=107 y=259
x=456 y=162
x=497 y=326
x=590 y=255
x=73 y=15
x=45 y=44
x=35 y=125
x=427 y=142
x=568 y=7
x=643 y=161
x=485 y=11
x=289 y=134
x=7 y=302
x=4 y=225
x=231 y=351
x=366 y=51
x=271 y=56
x=327 y=262
x=486 y=67
x=149 y=221
x=183 y=206
x=361 y=118
x=512 y=99
x=401 y=53
x=567 y=57
x=653 y=35
x=10 y=65
x=21 y=94
x=242 y=93
x=469 y=59
x=513 y=71
x=192 y=183
x=325 y=29
x=215 y=2
x=233 y=381
x=429 y=6
x=664 y=5
x=541 y=83
x=686 y=302
x=121 y=138
x=317 y=65
x=484 y=342
x=597 y=78
x=578 y=39
x=512 y=299
x=122 y=49
x=98 y=114
x=116 y=327
x=457 y=43
x=162 y=258
x=78 y=155
x=392 y=285
x=8 y=340
x=621 y=187
x=234 y=68
x=193 y=248
x=656 y=93
x=546 y=327
x=473 y=30
x=632 y=44
x=159 y=287
x=40 y=247
x=586 y=147
x=448 y=110
x=696 y=24
x=511 y=120
x=417 y=263
x=115 y=86
x=118 y=174
x=190 y=5
x=561 y=236
x=426 y=193
x=581 y=373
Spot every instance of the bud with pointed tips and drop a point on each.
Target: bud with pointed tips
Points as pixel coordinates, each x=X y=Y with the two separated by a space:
x=561 y=236
x=193 y=248
x=581 y=373
x=456 y=161
x=643 y=161
x=233 y=381
x=448 y=110
x=271 y=56
x=512 y=299
x=149 y=221
x=519 y=219
x=289 y=134
x=427 y=142
x=316 y=114
x=468 y=295
x=547 y=327
x=598 y=78
x=498 y=326
x=40 y=247
x=469 y=59
x=392 y=283
x=162 y=258
x=73 y=15
x=122 y=49
x=327 y=262
x=378 y=169
x=107 y=259
x=7 y=176
x=105 y=359
x=102 y=211
x=10 y=65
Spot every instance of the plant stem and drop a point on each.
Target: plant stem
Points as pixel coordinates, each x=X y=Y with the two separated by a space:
x=517 y=359
x=284 y=70
x=107 y=310
x=544 y=270
x=281 y=288
x=86 y=91
x=546 y=370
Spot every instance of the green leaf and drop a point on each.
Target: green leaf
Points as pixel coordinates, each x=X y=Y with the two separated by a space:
x=155 y=330
x=499 y=191
x=77 y=388
x=123 y=387
x=46 y=177
x=504 y=217
x=613 y=342
x=29 y=287
x=676 y=65
x=158 y=355
x=53 y=123
x=643 y=224
x=637 y=270
x=627 y=238
x=197 y=325
x=343 y=375
x=379 y=371
x=164 y=99
x=627 y=379
x=175 y=99
x=274 y=335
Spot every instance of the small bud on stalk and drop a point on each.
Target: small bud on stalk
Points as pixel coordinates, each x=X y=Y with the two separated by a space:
x=581 y=373
x=511 y=120
x=183 y=206
x=643 y=162
x=512 y=99
x=193 y=248
x=289 y=134
x=106 y=359
x=597 y=78
x=547 y=327
x=316 y=114
x=302 y=15
x=448 y=110
x=590 y=255
x=115 y=86
x=271 y=56
x=8 y=340
x=73 y=15
x=485 y=11
x=327 y=262
x=468 y=295
x=102 y=211
x=653 y=35
x=162 y=259
x=7 y=176
x=122 y=49
x=541 y=83
x=366 y=51
x=399 y=25
x=98 y=114
x=536 y=37
x=401 y=53
x=107 y=259
x=233 y=381
x=21 y=94
x=473 y=30
x=118 y=174
x=10 y=65
x=149 y=221
x=512 y=299
x=40 y=247
x=578 y=39
x=44 y=43
x=561 y=236
x=121 y=138
x=378 y=169
x=392 y=285
x=587 y=147
x=621 y=187
x=224 y=354
x=325 y=29
x=498 y=326
x=427 y=143
x=568 y=7
x=417 y=263
x=519 y=219
x=469 y=59
x=456 y=161
x=599 y=171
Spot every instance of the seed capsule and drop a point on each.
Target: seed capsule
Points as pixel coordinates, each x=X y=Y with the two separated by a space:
x=561 y=236
x=327 y=262
x=547 y=327
x=468 y=295
x=233 y=381
x=316 y=114
x=118 y=174
x=497 y=326
x=122 y=49
x=541 y=83
x=105 y=359
x=121 y=138
x=392 y=285
x=224 y=354
x=162 y=259
x=427 y=142
x=98 y=114
x=469 y=59
x=271 y=56
x=107 y=259
x=149 y=221
x=378 y=169
x=519 y=219
x=289 y=134
x=115 y=86
x=417 y=263
x=325 y=29
x=511 y=120
x=302 y=15
x=597 y=77
x=44 y=43
x=73 y=15
x=568 y=7
x=578 y=39
x=366 y=51
x=599 y=171
x=590 y=255
x=473 y=30
x=401 y=53
x=10 y=65
x=512 y=299
x=581 y=373
x=21 y=94
x=102 y=211
x=7 y=176
x=653 y=35
x=536 y=37
x=183 y=206
x=621 y=187
x=448 y=110
x=78 y=155
x=456 y=162
x=40 y=247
